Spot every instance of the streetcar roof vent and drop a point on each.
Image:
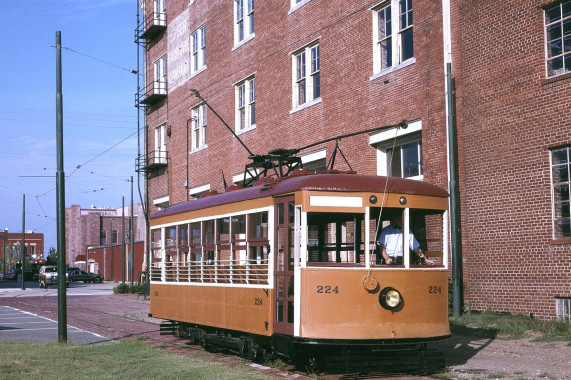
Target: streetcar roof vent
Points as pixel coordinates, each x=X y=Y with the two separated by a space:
x=208 y=193
x=299 y=172
x=233 y=187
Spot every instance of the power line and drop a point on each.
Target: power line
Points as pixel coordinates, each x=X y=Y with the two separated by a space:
x=100 y=60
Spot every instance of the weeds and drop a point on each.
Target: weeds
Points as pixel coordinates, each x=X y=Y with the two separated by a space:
x=128 y=289
x=513 y=326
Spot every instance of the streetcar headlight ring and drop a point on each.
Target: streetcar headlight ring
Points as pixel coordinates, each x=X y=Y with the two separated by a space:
x=390 y=298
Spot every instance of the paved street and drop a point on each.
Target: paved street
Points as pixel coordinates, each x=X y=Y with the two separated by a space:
x=31 y=315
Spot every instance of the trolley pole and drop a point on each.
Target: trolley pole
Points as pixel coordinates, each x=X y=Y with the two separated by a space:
x=60 y=196
x=456 y=232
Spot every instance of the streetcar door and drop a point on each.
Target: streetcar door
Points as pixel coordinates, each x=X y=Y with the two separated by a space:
x=284 y=261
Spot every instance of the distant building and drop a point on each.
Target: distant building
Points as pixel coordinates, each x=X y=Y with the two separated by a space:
x=11 y=251
x=88 y=228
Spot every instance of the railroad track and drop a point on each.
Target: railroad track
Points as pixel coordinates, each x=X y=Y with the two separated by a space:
x=125 y=317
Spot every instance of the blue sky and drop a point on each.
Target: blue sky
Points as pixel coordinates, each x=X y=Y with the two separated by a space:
x=99 y=114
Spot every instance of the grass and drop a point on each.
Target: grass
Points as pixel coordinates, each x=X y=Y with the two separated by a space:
x=511 y=326
x=125 y=360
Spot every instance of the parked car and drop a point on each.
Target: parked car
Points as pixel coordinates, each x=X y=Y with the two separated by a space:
x=9 y=275
x=28 y=274
x=81 y=275
x=49 y=276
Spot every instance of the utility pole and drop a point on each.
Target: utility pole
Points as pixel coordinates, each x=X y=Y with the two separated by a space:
x=131 y=251
x=22 y=265
x=455 y=227
x=123 y=243
x=60 y=196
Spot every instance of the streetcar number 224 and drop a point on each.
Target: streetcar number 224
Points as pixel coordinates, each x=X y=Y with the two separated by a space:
x=327 y=289
x=434 y=289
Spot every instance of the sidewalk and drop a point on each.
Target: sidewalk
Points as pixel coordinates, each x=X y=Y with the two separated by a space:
x=32 y=289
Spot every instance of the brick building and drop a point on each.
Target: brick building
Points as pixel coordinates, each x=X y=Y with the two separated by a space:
x=11 y=248
x=285 y=74
x=99 y=227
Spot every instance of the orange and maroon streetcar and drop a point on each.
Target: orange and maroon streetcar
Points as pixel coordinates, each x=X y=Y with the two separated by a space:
x=290 y=266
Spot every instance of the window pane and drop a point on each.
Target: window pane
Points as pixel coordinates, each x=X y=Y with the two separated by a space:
x=386 y=53
x=385 y=22
x=394 y=163
x=315 y=59
x=316 y=86
x=259 y=225
x=567 y=27
x=553 y=14
x=556 y=66
x=301 y=92
x=301 y=66
x=555 y=48
x=410 y=160
x=553 y=32
x=407 y=48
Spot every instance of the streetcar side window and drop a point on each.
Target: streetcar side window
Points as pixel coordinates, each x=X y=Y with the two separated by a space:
x=233 y=249
x=335 y=238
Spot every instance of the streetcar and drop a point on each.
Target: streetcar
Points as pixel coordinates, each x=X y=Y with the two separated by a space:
x=290 y=267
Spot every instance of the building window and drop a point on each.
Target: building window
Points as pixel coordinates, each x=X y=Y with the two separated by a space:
x=563 y=309
x=161 y=144
x=558 y=38
x=296 y=4
x=198 y=49
x=199 y=127
x=314 y=161
x=114 y=237
x=160 y=8
x=243 y=20
x=245 y=105
x=103 y=237
x=399 y=151
x=196 y=192
x=160 y=83
x=560 y=184
x=393 y=41
x=307 y=75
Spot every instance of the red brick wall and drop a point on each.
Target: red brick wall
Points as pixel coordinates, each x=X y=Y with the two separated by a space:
x=350 y=100
x=509 y=120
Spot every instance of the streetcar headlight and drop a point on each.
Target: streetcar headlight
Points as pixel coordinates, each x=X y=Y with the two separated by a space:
x=390 y=298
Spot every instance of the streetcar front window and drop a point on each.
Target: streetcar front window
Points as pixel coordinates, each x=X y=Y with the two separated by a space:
x=426 y=236
x=335 y=238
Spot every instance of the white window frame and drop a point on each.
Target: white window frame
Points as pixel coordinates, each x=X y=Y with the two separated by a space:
x=550 y=54
x=383 y=141
x=161 y=144
x=314 y=160
x=557 y=202
x=243 y=21
x=198 y=50
x=160 y=76
x=197 y=191
x=199 y=121
x=296 y=4
x=160 y=9
x=245 y=104
x=306 y=74
x=395 y=36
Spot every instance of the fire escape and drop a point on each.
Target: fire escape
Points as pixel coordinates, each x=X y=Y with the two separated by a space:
x=154 y=90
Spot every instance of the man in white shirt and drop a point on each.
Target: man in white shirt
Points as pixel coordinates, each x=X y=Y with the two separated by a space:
x=391 y=239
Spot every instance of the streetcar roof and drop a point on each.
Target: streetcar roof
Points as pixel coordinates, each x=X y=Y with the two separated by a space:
x=341 y=182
